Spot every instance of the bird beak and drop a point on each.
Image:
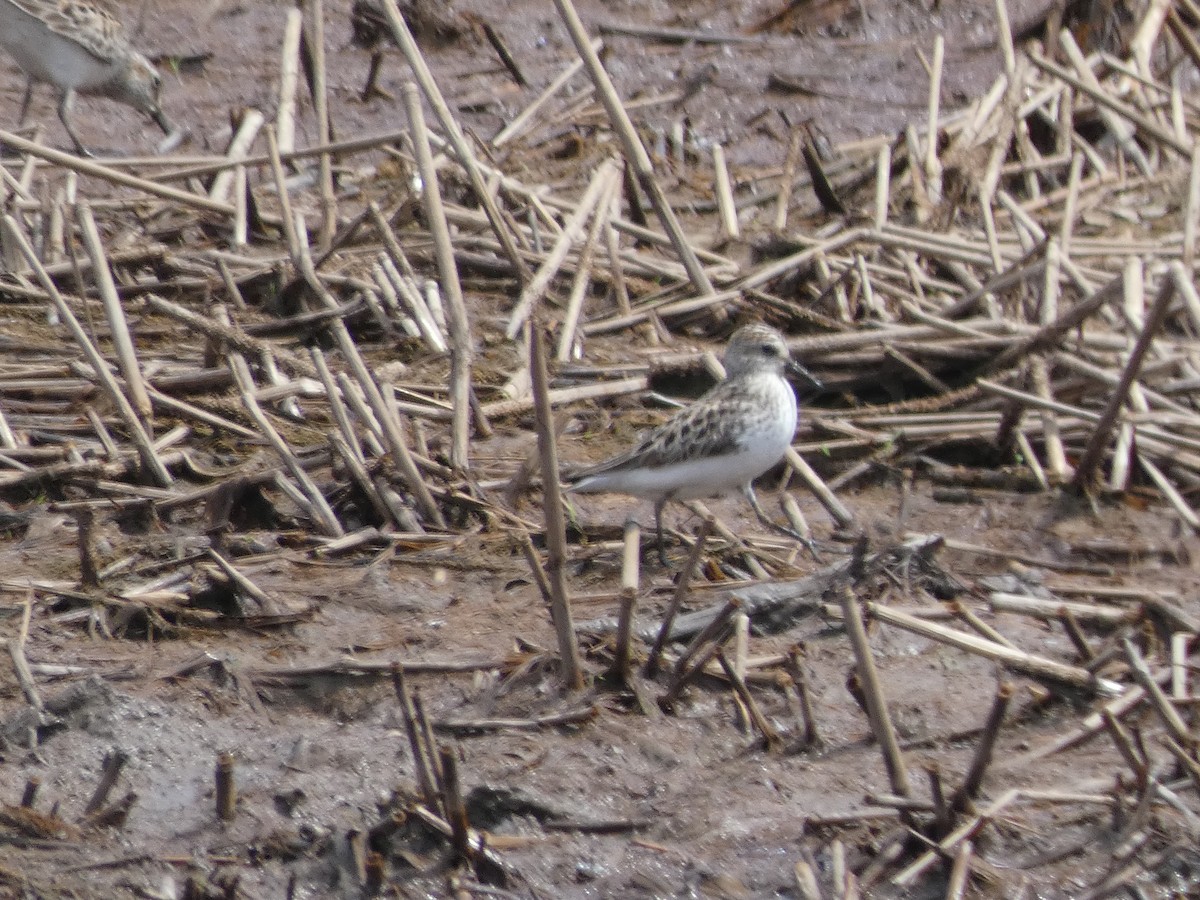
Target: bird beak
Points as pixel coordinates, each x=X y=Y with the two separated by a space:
x=802 y=373
x=162 y=121
x=174 y=135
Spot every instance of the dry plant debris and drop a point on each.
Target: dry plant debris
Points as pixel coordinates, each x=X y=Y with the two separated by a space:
x=269 y=354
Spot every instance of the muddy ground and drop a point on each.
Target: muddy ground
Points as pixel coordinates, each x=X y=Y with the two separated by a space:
x=622 y=805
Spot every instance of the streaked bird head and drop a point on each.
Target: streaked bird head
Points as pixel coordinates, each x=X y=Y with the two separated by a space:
x=760 y=348
x=140 y=87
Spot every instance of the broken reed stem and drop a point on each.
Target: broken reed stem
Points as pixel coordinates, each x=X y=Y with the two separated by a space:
x=337 y=405
x=114 y=312
x=85 y=521
x=24 y=675
x=937 y=795
x=231 y=335
x=1179 y=663
x=387 y=415
x=248 y=125
x=517 y=125
x=968 y=615
x=462 y=150
x=682 y=586
x=151 y=464
x=535 y=568
x=110 y=771
x=426 y=783
x=552 y=508
x=108 y=173
x=681 y=678
x=1125 y=746
x=289 y=71
x=811 y=736
x=598 y=188
x=1019 y=660
x=933 y=166
x=973 y=780
x=841 y=515
x=583 y=274
x=741 y=650
x=1070 y=625
x=1085 y=470
x=726 y=205
x=947 y=845
x=314 y=43
x=318 y=507
x=877 y=710
x=1158 y=698
x=457 y=322
x=1049 y=335
x=636 y=157
x=426 y=728
x=630 y=578
x=1005 y=37
x=226 y=788
x=960 y=870
x=790 y=163
x=243 y=583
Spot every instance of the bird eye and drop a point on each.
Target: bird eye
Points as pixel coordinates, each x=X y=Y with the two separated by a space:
x=769 y=350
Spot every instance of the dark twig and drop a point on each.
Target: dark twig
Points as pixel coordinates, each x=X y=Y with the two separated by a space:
x=1085 y=469
x=683 y=676
x=1124 y=744
x=811 y=736
x=416 y=739
x=29 y=796
x=110 y=770
x=708 y=633
x=452 y=802
x=1070 y=625
x=769 y=732
x=629 y=591
x=973 y=780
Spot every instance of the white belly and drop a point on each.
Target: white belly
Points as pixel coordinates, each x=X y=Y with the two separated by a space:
x=46 y=56
x=691 y=480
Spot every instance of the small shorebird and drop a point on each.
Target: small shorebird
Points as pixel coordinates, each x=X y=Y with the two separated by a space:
x=432 y=23
x=80 y=47
x=737 y=431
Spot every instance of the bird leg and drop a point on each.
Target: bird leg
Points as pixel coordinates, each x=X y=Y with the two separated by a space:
x=370 y=89
x=65 y=105
x=782 y=529
x=662 y=550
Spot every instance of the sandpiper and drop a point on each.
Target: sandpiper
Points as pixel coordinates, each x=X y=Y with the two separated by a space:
x=432 y=23
x=737 y=431
x=80 y=47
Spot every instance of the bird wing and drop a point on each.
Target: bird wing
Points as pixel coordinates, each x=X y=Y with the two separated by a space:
x=706 y=422
x=93 y=24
